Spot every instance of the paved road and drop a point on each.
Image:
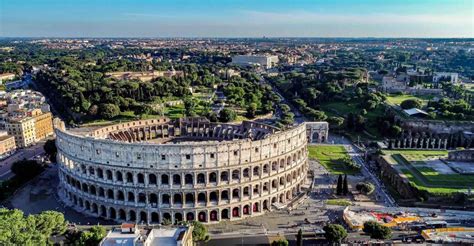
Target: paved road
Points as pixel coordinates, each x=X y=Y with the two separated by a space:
x=26 y=153
x=358 y=156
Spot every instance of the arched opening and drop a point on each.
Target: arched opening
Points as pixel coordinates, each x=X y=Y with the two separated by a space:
x=212 y=177
x=236 y=212
x=246 y=192
x=202 y=216
x=256 y=189
x=256 y=207
x=155 y=217
x=85 y=188
x=274 y=200
x=140 y=178
x=110 y=194
x=178 y=217
x=164 y=179
x=282 y=164
x=201 y=197
x=131 y=197
x=176 y=179
x=129 y=178
x=88 y=205
x=188 y=179
x=109 y=175
x=225 y=214
x=246 y=173
x=235 y=175
x=94 y=208
x=141 y=198
x=122 y=215
x=190 y=216
x=213 y=215
x=153 y=199
x=103 y=211
x=265 y=186
x=100 y=173
x=91 y=171
x=152 y=179
x=189 y=197
x=265 y=168
x=275 y=184
x=235 y=193
x=165 y=199
x=246 y=210
x=167 y=218
x=101 y=192
x=225 y=176
x=143 y=217
x=201 y=179
x=256 y=171
x=225 y=195
x=315 y=137
x=265 y=205
x=112 y=213
x=213 y=196
x=177 y=199
x=274 y=166
x=132 y=215
x=118 y=176
x=120 y=196
x=282 y=181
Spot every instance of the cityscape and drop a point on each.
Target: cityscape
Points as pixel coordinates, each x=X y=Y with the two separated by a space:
x=237 y=123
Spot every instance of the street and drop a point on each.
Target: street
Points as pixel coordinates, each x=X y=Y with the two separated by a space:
x=26 y=153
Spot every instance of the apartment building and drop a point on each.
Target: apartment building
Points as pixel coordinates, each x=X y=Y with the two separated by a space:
x=43 y=124
x=7 y=145
x=23 y=129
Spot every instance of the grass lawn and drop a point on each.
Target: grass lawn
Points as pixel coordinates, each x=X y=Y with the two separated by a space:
x=339 y=202
x=330 y=157
x=397 y=99
x=427 y=178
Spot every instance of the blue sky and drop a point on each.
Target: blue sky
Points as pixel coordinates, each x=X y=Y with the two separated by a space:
x=237 y=18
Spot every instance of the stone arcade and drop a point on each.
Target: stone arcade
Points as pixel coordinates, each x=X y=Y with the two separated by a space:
x=159 y=170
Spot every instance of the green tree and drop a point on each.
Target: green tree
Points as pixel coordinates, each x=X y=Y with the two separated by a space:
x=376 y=230
x=411 y=103
x=365 y=187
x=345 y=186
x=26 y=169
x=199 y=231
x=280 y=242
x=93 y=236
x=50 y=223
x=227 y=115
x=339 y=186
x=334 y=233
x=299 y=238
x=50 y=149
x=109 y=111
x=251 y=110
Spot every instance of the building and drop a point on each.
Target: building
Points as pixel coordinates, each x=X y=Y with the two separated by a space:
x=43 y=125
x=265 y=61
x=6 y=77
x=130 y=234
x=452 y=78
x=7 y=145
x=465 y=155
x=23 y=129
x=188 y=169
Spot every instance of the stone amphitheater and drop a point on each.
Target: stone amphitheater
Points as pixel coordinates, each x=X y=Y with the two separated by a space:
x=167 y=171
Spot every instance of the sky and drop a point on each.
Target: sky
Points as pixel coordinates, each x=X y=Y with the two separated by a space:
x=237 y=18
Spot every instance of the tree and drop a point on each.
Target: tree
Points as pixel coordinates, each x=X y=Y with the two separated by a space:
x=345 y=187
x=199 y=231
x=299 y=238
x=26 y=169
x=336 y=122
x=227 y=115
x=251 y=110
x=411 y=103
x=376 y=230
x=17 y=229
x=280 y=242
x=339 y=186
x=50 y=149
x=334 y=233
x=109 y=111
x=190 y=106
x=365 y=187
x=93 y=236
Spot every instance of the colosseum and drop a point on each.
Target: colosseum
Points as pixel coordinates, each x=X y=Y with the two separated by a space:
x=167 y=171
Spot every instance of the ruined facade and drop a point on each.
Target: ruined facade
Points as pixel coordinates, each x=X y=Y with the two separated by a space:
x=159 y=170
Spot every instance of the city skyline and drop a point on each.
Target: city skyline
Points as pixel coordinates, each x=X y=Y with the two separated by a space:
x=368 y=18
